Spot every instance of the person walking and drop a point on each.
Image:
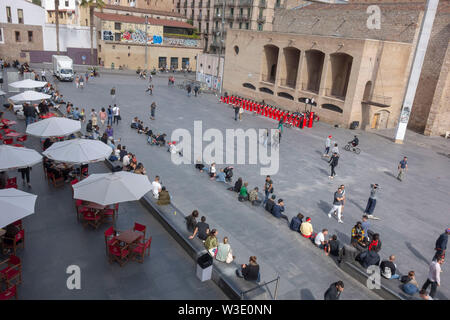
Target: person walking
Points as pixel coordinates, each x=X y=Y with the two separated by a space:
x=43 y=77
x=30 y=113
x=150 y=88
x=265 y=137
x=280 y=124
x=25 y=174
x=334 y=291
x=236 y=112
x=77 y=81
x=116 y=112
x=327 y=146
x=196 y=88
x=103 y=116
x=81 y=85
x=335 y=149
x=113 y=94
x=441 y=244
x=434 y=276
x=110 y=116
x=189 y=89
x=371 y=203
x=94 y=117
x=343 y=200
x=333 y=164
x=337 y=204
x=152 y=110
x=402 y=168
x=241 y=112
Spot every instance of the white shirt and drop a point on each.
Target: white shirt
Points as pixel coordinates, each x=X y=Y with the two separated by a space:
x=213 y=169
x=116 y=111
x=335 y=149
x=319 y=239
x=328 y=143
x=156 y=187
x=126 y=160
x=434 y=273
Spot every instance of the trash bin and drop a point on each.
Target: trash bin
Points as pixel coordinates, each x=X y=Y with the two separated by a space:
x=204 y=267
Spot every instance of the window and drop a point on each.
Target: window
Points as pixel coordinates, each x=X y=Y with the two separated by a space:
x=67 y=3
x=99 y=47
x=129 y=54
x=232 y=11
x=117 y=36
x=30 y=36
x=247 y=25
x=231 y=25
x=260 y=26
x=49 y=14
x=20 y=15
x=17 y=34
x=117 y=25
x=240 y=25
x=61 y=15
x=86 y=21
x=1 y=36
x=8 y=14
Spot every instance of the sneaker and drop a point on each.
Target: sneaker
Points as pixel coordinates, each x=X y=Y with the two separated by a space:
x=340 y=221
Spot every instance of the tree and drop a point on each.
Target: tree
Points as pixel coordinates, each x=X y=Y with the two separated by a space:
x=38 y=2
x=57 y=25
x=92 y=5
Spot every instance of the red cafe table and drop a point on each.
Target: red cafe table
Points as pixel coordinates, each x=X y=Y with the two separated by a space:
x=14 y=134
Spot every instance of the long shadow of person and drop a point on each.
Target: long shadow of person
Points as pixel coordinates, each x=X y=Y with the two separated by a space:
x=324 y=206
x=306 y=294
x=417 y=253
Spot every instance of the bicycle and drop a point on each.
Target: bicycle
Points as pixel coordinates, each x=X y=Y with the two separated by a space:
x=349 y=147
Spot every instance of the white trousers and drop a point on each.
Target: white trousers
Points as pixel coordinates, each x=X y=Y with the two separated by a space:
x=336 y=208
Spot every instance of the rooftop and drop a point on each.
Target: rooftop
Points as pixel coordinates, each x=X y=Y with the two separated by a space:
x=141 y=20
x=140 y=10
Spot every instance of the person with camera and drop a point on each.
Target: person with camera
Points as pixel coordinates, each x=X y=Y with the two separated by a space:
x=371 y=203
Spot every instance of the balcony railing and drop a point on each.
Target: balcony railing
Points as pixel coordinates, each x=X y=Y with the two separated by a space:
x=242 y=17
x=245 y=3
x=288 y=83
x=333 y=94
x=229 y=16
x=185 y=5
x=267 y=78
x=261 y=19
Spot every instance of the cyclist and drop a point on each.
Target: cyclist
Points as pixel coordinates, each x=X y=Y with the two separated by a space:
x=355 y=141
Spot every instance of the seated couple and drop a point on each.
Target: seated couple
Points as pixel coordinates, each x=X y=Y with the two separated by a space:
x=329 y=246
x=276 y=209
x=158 y=139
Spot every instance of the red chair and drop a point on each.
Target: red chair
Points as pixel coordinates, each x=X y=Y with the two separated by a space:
x=9 y=293
x=140 y=228
x=110 y=237
x=139 y=251
x=1 y=136
x=6 y=131
x=12 y=271
x=22 y=138
x=11 y=183
x=8 y=141
x=111 y=212
x=91 y=218
x=84 y=172
x=18 y=224
x=57 y=182
x=119 y=254
x=80 y=208
x=14 y=243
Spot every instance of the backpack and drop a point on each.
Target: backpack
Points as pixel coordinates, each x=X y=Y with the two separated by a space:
x=386 y=273
x=409 y=288
x=295 y=224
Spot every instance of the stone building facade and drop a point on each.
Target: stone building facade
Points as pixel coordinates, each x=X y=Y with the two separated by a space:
x=327 y=52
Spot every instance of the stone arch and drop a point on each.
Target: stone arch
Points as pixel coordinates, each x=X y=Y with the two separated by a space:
x=270 y=63
x=314 y=66
x=340 y=69
x=289 y=67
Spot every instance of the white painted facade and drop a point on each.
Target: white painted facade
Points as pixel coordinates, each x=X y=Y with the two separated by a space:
x=69 y=36
x=63 y=4
x=32 y=13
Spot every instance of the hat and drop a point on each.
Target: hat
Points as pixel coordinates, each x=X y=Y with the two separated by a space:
x=309 y=219
x=330 y=137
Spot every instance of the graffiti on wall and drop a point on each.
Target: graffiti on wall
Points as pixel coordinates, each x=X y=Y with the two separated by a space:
x=134 y=36
x=181 y=42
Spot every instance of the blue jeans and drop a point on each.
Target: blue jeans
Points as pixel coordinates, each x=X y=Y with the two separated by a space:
x=29 y=120
x=395 y=276
x=267 y=193
x=370 y=206
x=110 y=120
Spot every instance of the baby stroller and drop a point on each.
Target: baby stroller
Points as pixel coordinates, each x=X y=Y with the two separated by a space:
x=228 y=173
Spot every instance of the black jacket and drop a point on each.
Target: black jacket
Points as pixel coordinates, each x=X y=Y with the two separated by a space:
x=441 y=242
x=251 y=272
x=269 y=205
x=332 y=293
x=334 y=161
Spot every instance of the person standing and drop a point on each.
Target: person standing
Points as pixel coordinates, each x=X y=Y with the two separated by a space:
x=30 y=113
x=25 y=174
x=189 y=89
x=156 y=185
x=43 y=77
x=113 y=94
x=337 y=205
x=333 y=164
x=441 y=244
x=327 y=146
x=335 y=149
x=434 y=276
x=110 y=116
x=94 y=117
x=343 y=201
x=268 y=189
x=402 y=168
x=334 y=291
x=236 y=112
x=152 y=110
x=371 y=203
x=81 y=85
x=196 y=88
x=102 y=115
x=116 y=112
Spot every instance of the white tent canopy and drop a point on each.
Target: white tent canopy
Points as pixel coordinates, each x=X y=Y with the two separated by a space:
x=110 y=188
x=29 y=95
x=15 y=205
x=17 y=157
x=78 y=151
x=2 y=93
x=53 y=127
x=28 y=84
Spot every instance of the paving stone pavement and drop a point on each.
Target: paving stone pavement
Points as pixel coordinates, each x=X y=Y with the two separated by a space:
x=413 y=212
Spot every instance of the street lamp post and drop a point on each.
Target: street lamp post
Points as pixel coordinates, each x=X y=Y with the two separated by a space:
x=219 y=89
x=146 y=44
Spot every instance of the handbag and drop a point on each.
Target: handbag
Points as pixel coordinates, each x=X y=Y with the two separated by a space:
x=119 y=117
x=229 y=257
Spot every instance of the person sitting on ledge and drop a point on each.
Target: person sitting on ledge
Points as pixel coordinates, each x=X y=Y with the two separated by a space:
x=375 y=244
x=224 y=252
x=368 y=258
x=296 y=222
x=334 y=245
x=201 y=229
x=388 y=268
x=243 y=194
x=220 y=176
x=358 y=235
x=306 y=229
x=250 y=271
x=212 y=170
x=211 y=242
x=237 y=186
x=164 y=197
x=134 y=123
x=278 y=209
x=199 y=165
x=270 y=203
x=191 y=221
x=410 y=285
x=253 y=197
x=320 y=241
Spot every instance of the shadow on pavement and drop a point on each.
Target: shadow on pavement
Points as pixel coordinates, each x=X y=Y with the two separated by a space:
x=306 y=294
x=390 y=174
x=357 y=204
x=324 y=206
x=417 y=253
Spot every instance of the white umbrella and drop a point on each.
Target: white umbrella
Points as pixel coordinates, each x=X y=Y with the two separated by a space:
x=2 y=93
x=29 y=95
x=17 y=157
x=15 y=205
x=53 y=127
x=78 y=151
x=28 y=84
x=110 y=188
